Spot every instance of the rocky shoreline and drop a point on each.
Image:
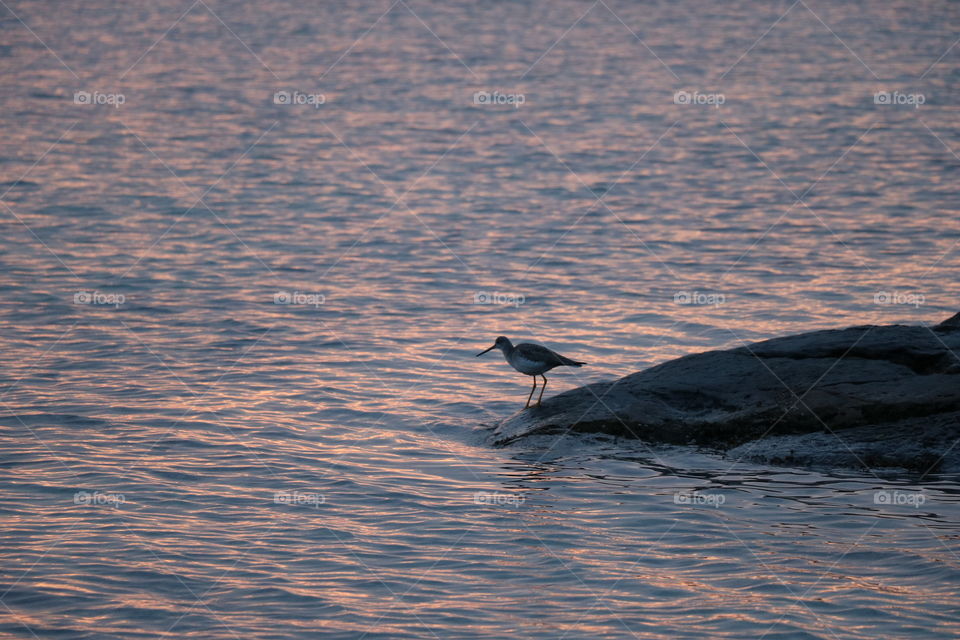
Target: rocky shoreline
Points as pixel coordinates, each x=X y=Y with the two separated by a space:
x=866 y=396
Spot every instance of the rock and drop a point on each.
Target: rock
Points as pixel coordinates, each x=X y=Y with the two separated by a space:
x=951 y=322
x=917 y=444
x=892 y=392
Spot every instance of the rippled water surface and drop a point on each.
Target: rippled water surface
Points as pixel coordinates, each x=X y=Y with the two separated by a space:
x=250 y=250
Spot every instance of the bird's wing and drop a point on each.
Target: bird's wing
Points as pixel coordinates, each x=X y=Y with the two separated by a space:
x=540 y=353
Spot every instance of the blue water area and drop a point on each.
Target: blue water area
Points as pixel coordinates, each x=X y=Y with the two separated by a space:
x=250 y=250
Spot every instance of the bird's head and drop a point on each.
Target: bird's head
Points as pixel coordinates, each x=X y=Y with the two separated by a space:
x=502 y=342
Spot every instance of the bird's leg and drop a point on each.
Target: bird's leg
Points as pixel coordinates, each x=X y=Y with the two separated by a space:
x=541 y=388
x=531 y=392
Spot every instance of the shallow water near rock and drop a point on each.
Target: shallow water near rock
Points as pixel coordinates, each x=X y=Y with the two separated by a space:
x=239 y=391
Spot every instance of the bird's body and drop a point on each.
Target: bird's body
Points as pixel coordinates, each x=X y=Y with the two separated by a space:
x=532 y=360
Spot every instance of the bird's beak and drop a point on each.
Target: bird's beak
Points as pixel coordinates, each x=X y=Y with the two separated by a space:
x=483 y=352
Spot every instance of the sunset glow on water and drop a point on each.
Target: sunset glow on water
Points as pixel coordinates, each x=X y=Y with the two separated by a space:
x=251 y=249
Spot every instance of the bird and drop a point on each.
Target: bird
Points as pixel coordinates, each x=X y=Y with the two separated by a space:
x=531 y=359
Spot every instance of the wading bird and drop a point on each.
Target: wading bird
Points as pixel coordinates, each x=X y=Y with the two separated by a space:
x=531 y=359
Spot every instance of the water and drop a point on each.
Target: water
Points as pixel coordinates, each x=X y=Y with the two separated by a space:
x=183 y=457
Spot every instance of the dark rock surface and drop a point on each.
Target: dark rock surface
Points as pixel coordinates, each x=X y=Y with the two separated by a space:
x=863 y=396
